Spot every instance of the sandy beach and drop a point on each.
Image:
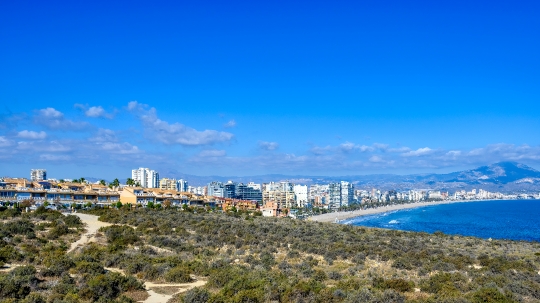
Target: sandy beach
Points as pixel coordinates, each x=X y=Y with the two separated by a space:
x=342 y=215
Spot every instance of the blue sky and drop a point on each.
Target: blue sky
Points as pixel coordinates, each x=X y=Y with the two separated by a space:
x=244 y=88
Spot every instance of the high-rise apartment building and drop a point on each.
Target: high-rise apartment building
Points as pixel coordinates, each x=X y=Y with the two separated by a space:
x=281 y=193
x=347 y=193
x=182 y=185
x=301 y=195
x=168 y=184
x=230 y=190
x=216 y=189
x=146 y=177
x=340 y=194
x=38 y=174
x=250 y=192
x=334 y=195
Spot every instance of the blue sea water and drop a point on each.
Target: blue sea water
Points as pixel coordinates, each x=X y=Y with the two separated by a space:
x=500 y=219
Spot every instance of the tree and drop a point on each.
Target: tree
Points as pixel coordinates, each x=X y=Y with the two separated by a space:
x=114 y=183
x=82 y=180
x=118 y=204
x=130 y=182
x=102 y=182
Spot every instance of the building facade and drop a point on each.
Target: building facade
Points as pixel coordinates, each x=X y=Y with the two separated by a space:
x=38 y=174
x=146 y=177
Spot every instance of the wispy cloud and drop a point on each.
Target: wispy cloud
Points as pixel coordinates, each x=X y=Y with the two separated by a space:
x=419 y=152
x=265 y=145
x=55 y=120
x=28 y=134
x=174 y=133
x=230 y=124
x=94 y=111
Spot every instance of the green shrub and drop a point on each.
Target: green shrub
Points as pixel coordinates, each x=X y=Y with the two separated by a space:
x=196 y=295
x=179 y=274
x=490 y=295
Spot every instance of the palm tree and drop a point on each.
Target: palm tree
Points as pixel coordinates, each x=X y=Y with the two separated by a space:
x=102 y=182
x=115 y=183
x=130 y=182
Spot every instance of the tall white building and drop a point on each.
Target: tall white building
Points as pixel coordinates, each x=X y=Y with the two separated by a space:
x=182 y=185
x=334 y=195
x=347 y=193
x=146 y=177
x=216 y=189
x=38 y=174
x=301 y=195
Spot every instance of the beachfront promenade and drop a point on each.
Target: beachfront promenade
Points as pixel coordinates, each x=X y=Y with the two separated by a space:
x=342 y=215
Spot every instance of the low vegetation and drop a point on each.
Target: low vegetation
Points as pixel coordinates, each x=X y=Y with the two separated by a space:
x=248 y=258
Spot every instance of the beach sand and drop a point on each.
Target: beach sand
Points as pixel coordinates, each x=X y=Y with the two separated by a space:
x=342 y=215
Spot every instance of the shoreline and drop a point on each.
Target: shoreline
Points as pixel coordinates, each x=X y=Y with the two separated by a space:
x=336 y=217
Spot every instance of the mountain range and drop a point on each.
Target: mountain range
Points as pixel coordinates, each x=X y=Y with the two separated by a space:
x=505 y=177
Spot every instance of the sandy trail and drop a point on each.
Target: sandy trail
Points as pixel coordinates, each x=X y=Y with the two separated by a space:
x=155 y=297
x=92 y=226
x=161 y=298
x=342 y=215
x=9 y=267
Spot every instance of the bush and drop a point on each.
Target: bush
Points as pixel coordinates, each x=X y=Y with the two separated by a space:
x=196 y=295
x=400 y=285
x=489 y=295
x=179 y=274
x=120 y=235
x=73 y=221
x=108 y=287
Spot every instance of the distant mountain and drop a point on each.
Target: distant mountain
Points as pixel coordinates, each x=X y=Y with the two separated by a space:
x=504 y=177
x=498 y=173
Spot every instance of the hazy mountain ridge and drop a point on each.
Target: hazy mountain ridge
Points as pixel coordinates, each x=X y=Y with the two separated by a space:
x=504 y=177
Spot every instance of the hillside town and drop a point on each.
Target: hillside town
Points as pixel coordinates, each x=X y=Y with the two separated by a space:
x=282 y=198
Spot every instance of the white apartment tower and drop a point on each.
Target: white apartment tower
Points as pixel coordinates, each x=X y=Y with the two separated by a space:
x=182 y=185
x=145 y=177
x=38 y=174
x=347 y=193
x=301 y=195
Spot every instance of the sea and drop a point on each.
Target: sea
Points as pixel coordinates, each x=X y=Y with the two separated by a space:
x=498 y=219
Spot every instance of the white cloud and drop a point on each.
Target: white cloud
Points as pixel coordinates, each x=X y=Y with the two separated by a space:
x=98 y=112
x=230 y=124
x=380 y=146
x=28 y=134
x=175 y=133
x=5 y=142
x=54 y=158
x=399 y=150
x=104 y=135
x=264 y=145
x=419 y=152
x=54 y=119
x=376 y=159
x=349 y=147
x=212 y=153
x=320 y=150
x=119 y=148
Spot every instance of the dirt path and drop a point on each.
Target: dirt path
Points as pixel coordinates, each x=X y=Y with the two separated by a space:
x=10 y=267
x=162 y=298
x=92 y=226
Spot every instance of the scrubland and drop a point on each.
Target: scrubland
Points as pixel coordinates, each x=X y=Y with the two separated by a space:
x=246 y=258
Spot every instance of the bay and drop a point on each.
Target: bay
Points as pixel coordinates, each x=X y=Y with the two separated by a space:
x=499 y=219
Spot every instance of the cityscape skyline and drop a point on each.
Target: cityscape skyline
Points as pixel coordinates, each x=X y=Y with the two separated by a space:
x=321 y=89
